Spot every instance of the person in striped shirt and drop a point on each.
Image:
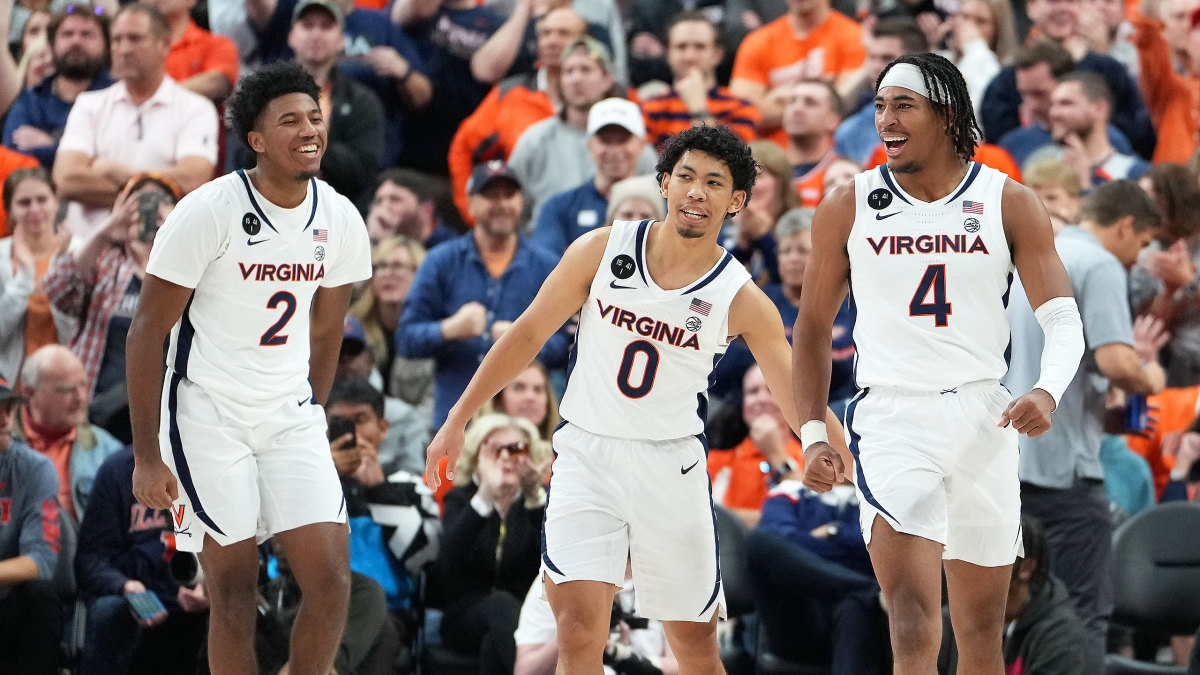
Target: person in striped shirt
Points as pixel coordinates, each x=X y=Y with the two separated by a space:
x=693 y=52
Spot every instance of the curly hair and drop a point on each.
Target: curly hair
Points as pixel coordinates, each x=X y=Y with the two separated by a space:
x=256 y=91
x=944 y=81
x=719 y=142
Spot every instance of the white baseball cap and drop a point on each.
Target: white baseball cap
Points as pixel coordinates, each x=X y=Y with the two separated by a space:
x=621 y=112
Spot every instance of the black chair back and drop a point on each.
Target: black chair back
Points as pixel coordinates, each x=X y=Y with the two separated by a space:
x=1156 y=569
x=735 y=563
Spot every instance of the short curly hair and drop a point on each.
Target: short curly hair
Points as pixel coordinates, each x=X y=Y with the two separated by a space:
x=719 y=142
x=256 y=91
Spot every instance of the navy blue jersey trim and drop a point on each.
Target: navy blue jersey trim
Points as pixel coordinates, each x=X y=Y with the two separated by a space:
x=546 y=511
x=975 y=166
x=181 y=465
x=887 y=178
x=715 y=273
x=854 y=441
x=312 y=215
x=254 y=202
x=183 y=343
x=712 y=509
x=639 y=248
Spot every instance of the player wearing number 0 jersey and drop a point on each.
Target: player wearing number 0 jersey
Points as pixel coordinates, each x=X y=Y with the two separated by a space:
x=926 y=246
x=660 y=300
x=250 y=277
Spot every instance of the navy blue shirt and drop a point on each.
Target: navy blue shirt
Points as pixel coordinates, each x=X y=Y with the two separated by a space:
x=567 y=215
x=40 y=107
x=1023 y=141
x=452 y=275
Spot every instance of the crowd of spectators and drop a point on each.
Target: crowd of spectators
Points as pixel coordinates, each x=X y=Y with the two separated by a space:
x=480 y=138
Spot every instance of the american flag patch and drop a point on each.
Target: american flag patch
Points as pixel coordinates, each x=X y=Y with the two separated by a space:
x=973 y=207
x=700 y=307
x=323 y=235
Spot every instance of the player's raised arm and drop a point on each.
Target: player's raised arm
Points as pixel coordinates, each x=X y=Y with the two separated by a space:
x=1031 y=238
x=562 y=294
x=825 y=283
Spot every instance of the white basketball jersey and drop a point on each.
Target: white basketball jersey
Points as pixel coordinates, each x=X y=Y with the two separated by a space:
x=929 y=282
x=642 y=357
x=244 y=336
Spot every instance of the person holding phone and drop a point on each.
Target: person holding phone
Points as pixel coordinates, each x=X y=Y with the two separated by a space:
x=99 y=284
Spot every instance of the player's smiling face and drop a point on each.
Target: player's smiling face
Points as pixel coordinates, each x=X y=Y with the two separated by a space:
x=700 y=194
x=907 y=126
x=291 y=135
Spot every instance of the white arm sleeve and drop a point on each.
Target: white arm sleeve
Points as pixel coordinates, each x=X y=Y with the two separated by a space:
x=1063 y=347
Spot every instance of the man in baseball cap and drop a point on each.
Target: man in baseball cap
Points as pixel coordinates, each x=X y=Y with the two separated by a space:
x=488 y=172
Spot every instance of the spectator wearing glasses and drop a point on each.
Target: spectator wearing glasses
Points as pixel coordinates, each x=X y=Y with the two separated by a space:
x=78 y=38
x=491 y=544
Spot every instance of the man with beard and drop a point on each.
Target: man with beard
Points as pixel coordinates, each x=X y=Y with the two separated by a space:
x=79 y=44
x=404 y=203
x=1079 y=114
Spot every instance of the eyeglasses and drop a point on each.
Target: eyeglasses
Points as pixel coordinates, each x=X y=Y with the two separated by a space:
x=393 y=267
x=84 y=9
x=514 y=449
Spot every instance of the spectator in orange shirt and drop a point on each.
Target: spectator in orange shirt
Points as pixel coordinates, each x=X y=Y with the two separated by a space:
x=810 y=40
x=811 y=115
x=1173 y=98
x=693 y=52
x=200 y=61
x=742 y=476
x=511 y=107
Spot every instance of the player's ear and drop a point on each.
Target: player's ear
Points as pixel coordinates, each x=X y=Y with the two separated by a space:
x=663 y=179
x=739 y=200
x=256 y=141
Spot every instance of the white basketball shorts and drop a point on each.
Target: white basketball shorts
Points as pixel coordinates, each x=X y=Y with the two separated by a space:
x=238 y=482
x=613 y=499
x=936 y=465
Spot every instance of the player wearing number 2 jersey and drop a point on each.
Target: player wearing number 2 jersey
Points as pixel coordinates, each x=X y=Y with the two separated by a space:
x=251 y=275
x=927 y=245
x=660 y=302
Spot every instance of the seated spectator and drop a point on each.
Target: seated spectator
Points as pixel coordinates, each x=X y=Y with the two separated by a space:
x=636 y=645
x=30 y=616
x=99 y=285
x=811 y=577
x=379 y=308
x=694 y=51
x=491 y=545
x=11 y=161
x=406 y=428
x=53 y=421
x=840 y=171
x=27 y=319
x=37 y=64
x=144 y=122
x=1059 y=188
x=754 y=245
x=368 y=641
x=530 y=396
x=125 y=549
x=404 y=205
x=454 y=311
x=637 y=198
x=1127 y=478
x=1079 y=114
x=394 y=526
x=615 y=142
x=812 y=111
x=770 y=453
x=79 y=45
x=1043 y=636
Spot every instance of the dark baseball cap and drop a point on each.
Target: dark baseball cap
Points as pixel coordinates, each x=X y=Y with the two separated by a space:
x=488 y=172
x=328 y=5
x=6 y=391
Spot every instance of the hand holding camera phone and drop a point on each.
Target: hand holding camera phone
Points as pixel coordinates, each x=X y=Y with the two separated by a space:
x=340 y=426
x=145 y=605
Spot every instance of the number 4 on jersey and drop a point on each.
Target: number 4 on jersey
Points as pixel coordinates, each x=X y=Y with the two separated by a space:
x=934 y=281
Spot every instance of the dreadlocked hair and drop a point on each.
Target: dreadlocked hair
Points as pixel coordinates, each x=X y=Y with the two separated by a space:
x=945 y=82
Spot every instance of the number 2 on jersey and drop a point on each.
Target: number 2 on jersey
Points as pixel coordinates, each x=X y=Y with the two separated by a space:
x=638 y=347
x=935 y=281
x=272 y=338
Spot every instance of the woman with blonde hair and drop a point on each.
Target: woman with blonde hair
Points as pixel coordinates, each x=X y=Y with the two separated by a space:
x=394 y=261
x=530 y=396
x=774 y=194
x=491 y=538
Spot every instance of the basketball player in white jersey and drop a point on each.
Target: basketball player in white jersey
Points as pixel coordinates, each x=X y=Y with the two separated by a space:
x=927 y=245
x=250 y=276
x=660 y=302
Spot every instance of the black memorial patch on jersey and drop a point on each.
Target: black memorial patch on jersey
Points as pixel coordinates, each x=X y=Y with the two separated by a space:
x=879 y=199
x=251 y=224
x=623 y=266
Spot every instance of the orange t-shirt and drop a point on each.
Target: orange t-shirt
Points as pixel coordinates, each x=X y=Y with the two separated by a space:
x=60 y=453
x=1175 y=409
x=985 y=153
x=811 y=185
x=199 y=51
x=747 y=484
x=1172 y=99
x=39 y=322
x=773 y=56
x=10 y=161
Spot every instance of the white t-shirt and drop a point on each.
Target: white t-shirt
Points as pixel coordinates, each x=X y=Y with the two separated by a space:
x=244 y=336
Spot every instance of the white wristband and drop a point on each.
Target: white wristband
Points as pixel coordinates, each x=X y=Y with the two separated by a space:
x=813 y=431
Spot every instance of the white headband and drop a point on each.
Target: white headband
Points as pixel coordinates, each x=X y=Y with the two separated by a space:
x=908 y=76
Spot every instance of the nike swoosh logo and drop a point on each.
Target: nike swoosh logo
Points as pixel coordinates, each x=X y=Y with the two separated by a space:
x=880 y=216
x=614 y=284
x=683 y=471
x=303 y=401
x=251 y=242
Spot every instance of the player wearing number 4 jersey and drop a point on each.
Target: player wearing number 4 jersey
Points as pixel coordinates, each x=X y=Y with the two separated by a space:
x=660 y=302
x=927 y=245
x=250 y=276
